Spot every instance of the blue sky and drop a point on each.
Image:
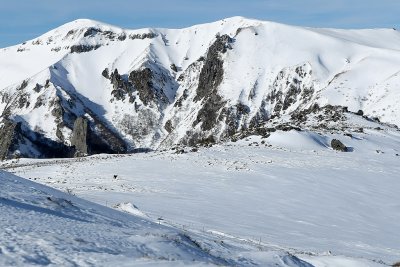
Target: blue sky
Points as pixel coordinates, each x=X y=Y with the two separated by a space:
x=21 y=20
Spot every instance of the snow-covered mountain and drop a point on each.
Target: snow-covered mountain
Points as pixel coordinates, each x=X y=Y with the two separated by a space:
x=88 y=87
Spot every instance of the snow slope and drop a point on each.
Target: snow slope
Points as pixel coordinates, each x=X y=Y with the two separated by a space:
x=289 y=191
x=43 y=226
x=267 y=70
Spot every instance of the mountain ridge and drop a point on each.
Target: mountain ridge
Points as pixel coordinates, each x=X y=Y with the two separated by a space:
x=157 y=88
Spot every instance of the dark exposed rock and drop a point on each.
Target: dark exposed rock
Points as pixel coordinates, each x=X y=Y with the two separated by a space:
x=148 y=83
x=142 y=82
x=174 y=67
x=291 y=96
x=360 y=113
x=23 y=101
x=59 y=133
x=168 y=126
x=79 y=137
x=180 y=151
x=233 y=116
x=142 y=36
x=210 y=78
x=116 y=79
x=132 y=99
x=8 y=133
x=37 y=88
x=184 y=96
x=119 y=94
x=57 y=111
x=39 y=102
x=14 y=135
x=122 y=37
x=207 y=142
x=339 y=146
x=122 y=86
x=105 y=73
x=109 y=35
x=287 y=90
x=83 y=48
x=91 y=32
x=23 y=85
x=209 y=113
x=287 y=127
x=260 y=117
x=212 y=72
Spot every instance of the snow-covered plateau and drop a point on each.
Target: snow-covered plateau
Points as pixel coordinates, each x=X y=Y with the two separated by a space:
x=257 y=201
x=233 y=143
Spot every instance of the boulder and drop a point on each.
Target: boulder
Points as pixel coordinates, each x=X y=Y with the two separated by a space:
x=339 y=146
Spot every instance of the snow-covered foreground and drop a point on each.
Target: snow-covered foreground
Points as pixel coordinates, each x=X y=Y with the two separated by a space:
x=286 y=193
x=43 y=226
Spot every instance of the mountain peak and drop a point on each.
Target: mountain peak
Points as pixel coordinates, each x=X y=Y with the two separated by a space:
x=152 y=88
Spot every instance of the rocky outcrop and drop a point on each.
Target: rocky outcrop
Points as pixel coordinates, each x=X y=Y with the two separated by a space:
x=83 y=48
x=8 y=132
x=210 y=78
x=79 y=137
x=212 y=72
x=234 y=116
x=142 y=36
x=292 y=87
x=338 y=145
x=142 y=81
x=110 y=35
x=121 y=86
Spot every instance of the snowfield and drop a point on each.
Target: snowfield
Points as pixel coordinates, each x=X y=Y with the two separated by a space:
x=45 y=227
x=286 y=193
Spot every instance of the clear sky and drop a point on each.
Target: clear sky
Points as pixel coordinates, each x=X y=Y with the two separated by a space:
x=21 y=20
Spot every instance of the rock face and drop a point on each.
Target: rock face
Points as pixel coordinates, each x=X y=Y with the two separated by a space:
x=8 y=133
x=339 y=146
x=142 y=81
x=210 y=78
x=83 y=48
x=79 y=137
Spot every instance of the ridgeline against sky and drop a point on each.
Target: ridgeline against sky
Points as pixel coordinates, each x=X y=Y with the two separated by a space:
x=22 y=20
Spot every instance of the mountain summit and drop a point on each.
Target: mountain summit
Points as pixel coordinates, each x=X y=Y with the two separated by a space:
x=88 y=87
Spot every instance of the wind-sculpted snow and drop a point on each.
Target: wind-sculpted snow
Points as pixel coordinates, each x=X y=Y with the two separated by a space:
x=154 y=88
x=41 y=226
x=242 y=202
